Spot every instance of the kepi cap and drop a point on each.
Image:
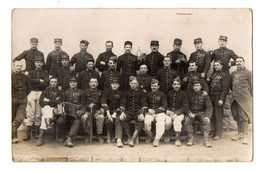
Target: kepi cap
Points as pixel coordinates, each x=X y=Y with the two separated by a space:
x=154 y=42
x=128 y=43
x=39 y=58
x=58 y=40
x=64 y=56
x=154 y=81
x=221 y=37
x=73 y=78
x=113 y=58
x=84 y=42
x=177 y=41
x=132 y=78
x=177 y=79
x=197 y=40
x=34 y=40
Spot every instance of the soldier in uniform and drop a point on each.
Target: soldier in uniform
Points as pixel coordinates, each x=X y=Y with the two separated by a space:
x=21 y=87
x=93 y=109
x=80 y=59
x=133 y=107
x=157 y=106
x=39 y=79
x=191 y=76
x=177 y=107
x=241 y=102
x=73 y=111
x=154 y=59
x=201 y=57
x=224 y=54
x=85 y=75
x=49 y=99
x=166 y=75
x=128 y=63
x=103 y=58
x=200 y=108
x=29 y=55
x=219 y=83
x=110 y=102
x=144 y=79
x=64 y=73
x=111 y=73
x=53 y=61
x=179 y=60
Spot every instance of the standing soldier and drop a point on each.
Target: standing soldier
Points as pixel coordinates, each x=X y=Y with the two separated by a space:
x=49 y=100
x=219 y=83
x=201 y=58
x=241 y=102
x=166 y=75
x=39 y=79
x=154 y=59
x=157 y=105
x=177 y=107
x=73 y=111
x=133 y=107
x=29 y=56
x=93 y=110
x=179 y=60
x=21 y=87
x=111 y=73
x=53 y=61
x=200 y=108
x=80 y=59
x=128 y=64
x=224 y=54
x=103 y=58
x=64 y=74
x=85 y=75
x=144 y=79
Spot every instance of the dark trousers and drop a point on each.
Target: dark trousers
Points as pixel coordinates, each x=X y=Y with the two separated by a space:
x=74 y=124
x=200 y=117
x=18 y=114
x=125 y=82
x=125 y=124
x=217 y=116
x=99 y=119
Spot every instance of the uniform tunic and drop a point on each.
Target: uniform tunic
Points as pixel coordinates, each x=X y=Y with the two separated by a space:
x=64 y=74
x=52 y=94
x=105 y=56
x=35 y=76
x=107 y=77
x=53 y=61
x=202 y=59
x=110 y=100
x=84 y=78
x=154 y=62
x=144 y=81
x=80 y=59
x=177 y=101
x=93 y=96
x=157 y=101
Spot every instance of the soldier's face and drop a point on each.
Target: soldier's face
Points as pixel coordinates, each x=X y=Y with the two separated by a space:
x=155 y=87
x=197 y=87
x=18 y=66
x=109 y=46
x=90 y=65
x=111 y=64
x=222 y=43
x=93 y=83
x=73 y=84
x=128 y=48
x=83 y=46
x=115 y=85
x=154 y=48
x=198 y=45
x=176 y=85
x=57 y=45
x=217 y=66
x=133 y=84
x=167 y=62
x=143 y=69
x=53 y=82
x=176 y=46
x=65 y=62
x=38 y=64
x=34 y=45
x=240 y=63
x=193 y=67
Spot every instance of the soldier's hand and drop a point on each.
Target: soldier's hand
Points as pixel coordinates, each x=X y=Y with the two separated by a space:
x=41 y=80
x=203 y=75
x=141 y=117
x=26 y=73
x=208 y=79
x=191 y=115
x=144 y=90
x=168 y=112
x=92 y=105
x=122 y=117
x=102 y=111
x=79 y=112
x=72 y=68
x=174 y=116
x=207 y=120
x=220 y=102
x=151 y=111
x=113 y=115
x=46 y=100
x=229 y=64
x=183 y=59
x=185 y=79
x=204 y=93
x=110 y=118
x=177 y=61
x=60 y=88
x=102 y=62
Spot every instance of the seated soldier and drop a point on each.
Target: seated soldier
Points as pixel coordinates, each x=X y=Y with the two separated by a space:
x=73 y=99
x=177 y=108
x=144 y=79
x=157 y=105
x=49 y=99
x=110 y=102
x=93 y=109
x=200 y=108
x=133 y=107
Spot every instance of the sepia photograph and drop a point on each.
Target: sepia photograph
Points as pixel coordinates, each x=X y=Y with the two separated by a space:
x=132 y=85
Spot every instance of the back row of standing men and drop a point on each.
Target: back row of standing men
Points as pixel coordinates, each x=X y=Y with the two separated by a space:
x=166 y=70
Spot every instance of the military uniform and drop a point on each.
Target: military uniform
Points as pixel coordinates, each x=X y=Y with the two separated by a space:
x=218 y=90
x=165 y=77
x=105 y=56
x=64 y=74
x=84 y=78
x=202 y=59
x=81 y=59
x=21 y=87
x=154 y=62
x=144 y=82
x=107 y=77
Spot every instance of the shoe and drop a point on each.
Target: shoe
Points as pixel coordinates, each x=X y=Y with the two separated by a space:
x=217 y=137
x=28 y=133
x=131 y=143
x=238 y=136
x=15 y=140
x=127 y=142
x=86 y=140
x=119 y=143
x=60 y=140
x=178 y=143
x=100 y=138
x=207 y=144
x=40 y=140
x=68 y=142
x=113 y=140
x=148 y=140
x=245 y=140
x=190 y=140
x=167 y=139
x=156 y=143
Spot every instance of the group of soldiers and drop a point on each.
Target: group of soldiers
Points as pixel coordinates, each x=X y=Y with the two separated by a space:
x=170 y=91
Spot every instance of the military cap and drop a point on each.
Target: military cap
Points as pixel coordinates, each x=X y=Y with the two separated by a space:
x=73 y=78
x=177 y=41
x=154 y=81
x=132 y=78
x=84 y=42
x=154 y=42
x=196 y=82
x=113 y=58
x=90 y=60
x=34 y=40
x=197 y=40
x=221 y=37
x=58 y=40
x=115 y=80
x=177 y=79
x=39 y=58
x=65 y=56
x=128 y=43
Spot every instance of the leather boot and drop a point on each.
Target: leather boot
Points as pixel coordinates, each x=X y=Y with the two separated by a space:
x=28 y=133
x=149 y=137
x=48 y=124
x=177 y=141
x=119 y=143
x=100 y=138
x=156 y=143
x=40 y=140
x=68 y=142
x=36 y=131
x=167 y=138
x=206 y=140
x=244 y=126
x=190 y=139
x=132 y=141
